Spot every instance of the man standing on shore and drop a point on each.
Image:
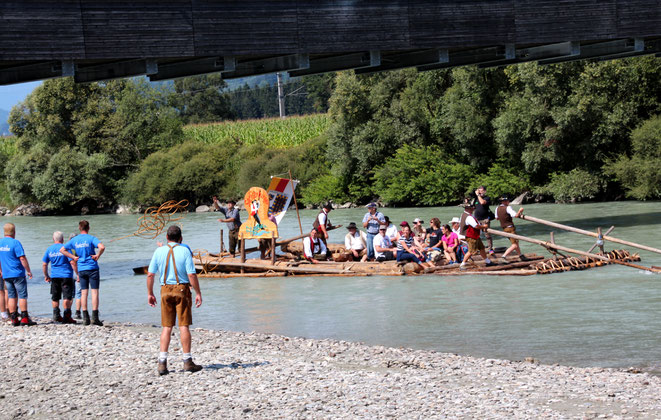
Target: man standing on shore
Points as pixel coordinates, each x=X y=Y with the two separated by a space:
x=86 y=258
x=14 y=266
x=371 y=222
x=176 y=269
x=233 y=222
x=60 y=279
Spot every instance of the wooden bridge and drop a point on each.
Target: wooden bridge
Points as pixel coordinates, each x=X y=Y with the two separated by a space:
x=96 y=40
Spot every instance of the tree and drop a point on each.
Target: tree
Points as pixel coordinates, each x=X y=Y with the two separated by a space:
x=200 y=99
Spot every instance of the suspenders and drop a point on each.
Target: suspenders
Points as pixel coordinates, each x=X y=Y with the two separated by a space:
x=167 y=263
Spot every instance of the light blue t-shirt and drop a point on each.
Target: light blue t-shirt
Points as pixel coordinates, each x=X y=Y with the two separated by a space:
x=373 y=225
x=10 y=252
x=85 y=246
x=183 y=258
x=60 y=266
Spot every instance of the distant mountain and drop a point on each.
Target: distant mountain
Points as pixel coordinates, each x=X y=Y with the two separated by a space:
x=4 y=125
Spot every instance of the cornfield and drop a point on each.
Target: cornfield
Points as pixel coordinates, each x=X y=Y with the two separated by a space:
x=270 y=132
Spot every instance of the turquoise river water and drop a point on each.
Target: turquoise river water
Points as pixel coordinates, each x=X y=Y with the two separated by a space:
x=608 y=317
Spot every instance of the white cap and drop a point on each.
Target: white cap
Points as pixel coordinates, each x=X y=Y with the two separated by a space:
x=416 y=220
x=455 y=220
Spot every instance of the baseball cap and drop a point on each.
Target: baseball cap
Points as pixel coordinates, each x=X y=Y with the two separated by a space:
x=417 y=220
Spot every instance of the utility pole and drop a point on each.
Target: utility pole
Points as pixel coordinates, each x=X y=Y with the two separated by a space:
x=281 y=96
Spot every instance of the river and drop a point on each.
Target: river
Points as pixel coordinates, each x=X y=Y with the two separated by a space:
x=607 y=317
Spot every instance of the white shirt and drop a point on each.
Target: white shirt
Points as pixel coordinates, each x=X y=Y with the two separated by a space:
x=356 y=241
x=382 y=242
x=391 y=232
x=470 y=221
x=459 y=235
x=323 y=216
x=509 y=211
x=309 y=251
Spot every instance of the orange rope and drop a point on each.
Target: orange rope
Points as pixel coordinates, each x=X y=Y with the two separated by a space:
x=154 y=219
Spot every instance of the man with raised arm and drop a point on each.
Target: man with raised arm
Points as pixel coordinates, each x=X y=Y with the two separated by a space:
x=13 y=268
x=176 y=269
x=61 y=278
x=85 y=246
x=233 y=222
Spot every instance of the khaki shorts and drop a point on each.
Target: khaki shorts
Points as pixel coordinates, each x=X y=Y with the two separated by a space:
x=474 y=245
x=176 y=302
x=511 y=229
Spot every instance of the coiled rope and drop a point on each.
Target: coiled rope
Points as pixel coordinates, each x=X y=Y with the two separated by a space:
x=154 y=219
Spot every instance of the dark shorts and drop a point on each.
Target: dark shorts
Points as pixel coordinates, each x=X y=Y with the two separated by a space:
x=176 y=302
x=61 y=288
x=16 y=287
x=89 y=279
x=2 y=284
x=387 y=256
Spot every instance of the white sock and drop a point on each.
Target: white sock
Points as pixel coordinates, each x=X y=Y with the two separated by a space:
x=487 y=260
x=463 y=264
x=187 y=356
x=163 y=356
x=4 y=315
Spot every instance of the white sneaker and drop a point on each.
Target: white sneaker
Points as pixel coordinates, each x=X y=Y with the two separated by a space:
x=463 y=267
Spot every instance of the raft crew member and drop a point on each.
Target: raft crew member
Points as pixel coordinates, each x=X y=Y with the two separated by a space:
x=62 y=285
x=14 y=266
x=384 y=250
x=322 y=223
x=504 y=214
x=371 y=222
x=483 y=214
x=86 y=258
x=418 y=230
x=232 y=220
x=450 y=243
x=314 y=248
x=471 y=229
x=355 y=244
x=176 y=269
x=391 y=230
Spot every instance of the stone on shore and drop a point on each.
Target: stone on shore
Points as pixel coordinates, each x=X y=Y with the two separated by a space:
x=72 y=371
x=203 y=209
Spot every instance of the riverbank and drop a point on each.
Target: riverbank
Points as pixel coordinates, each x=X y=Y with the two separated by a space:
x=62 y=371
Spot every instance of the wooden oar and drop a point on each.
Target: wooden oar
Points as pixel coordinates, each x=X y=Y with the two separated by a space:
x=286 y=241
x=570 y=250
x=588 y=233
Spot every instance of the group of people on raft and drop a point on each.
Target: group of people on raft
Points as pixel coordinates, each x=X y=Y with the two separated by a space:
x=456 y=242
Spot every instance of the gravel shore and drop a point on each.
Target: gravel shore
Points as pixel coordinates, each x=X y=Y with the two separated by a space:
x=73 y=371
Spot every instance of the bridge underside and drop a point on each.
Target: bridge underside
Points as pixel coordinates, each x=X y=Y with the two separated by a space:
x=101 y=40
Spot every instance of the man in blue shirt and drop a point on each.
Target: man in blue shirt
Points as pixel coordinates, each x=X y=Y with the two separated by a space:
x=86 y=258
x=371 y=222
x=60 y=279
x=13 y=268
x=176 y=269
x=232 y=220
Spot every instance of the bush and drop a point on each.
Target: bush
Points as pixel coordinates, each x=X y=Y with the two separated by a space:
x=640 y=174
x=499 y=181
x=192 y=171
x=323 y=189
x=572 y=186
x=421 y=176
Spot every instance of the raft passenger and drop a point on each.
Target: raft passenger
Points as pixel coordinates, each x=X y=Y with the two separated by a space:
x=314 y=248
x=383 y=247
x=355 y=243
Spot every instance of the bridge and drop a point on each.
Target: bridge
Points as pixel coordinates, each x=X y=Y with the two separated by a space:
x=98 y=40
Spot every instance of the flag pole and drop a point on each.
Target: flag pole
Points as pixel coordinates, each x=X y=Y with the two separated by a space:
x=293 y=191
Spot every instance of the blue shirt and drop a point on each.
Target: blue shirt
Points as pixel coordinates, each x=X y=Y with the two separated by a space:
x=10 y=252
x=373 y=225
x=84 y=245
x=60 y=265
x=182 y=257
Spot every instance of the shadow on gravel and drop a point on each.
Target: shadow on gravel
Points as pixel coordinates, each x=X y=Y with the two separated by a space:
x=236 y=365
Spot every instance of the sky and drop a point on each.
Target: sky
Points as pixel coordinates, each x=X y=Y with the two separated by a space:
x=12 y=94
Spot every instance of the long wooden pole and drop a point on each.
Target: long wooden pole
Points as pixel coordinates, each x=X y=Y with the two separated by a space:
x=564 y=248
x=266 y=267
x=286 y=241
x=588 y=233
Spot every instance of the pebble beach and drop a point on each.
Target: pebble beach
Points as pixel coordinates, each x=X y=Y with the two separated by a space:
x=73 y=371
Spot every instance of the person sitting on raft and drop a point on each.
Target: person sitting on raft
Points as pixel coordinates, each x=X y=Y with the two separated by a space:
x=471 y=228
x=450 y=243
x=383 y=247
x=408 y=248
x=391 y=230
x=434 y=234
x=314 y=248
x=418 y=230
x=355 y=243
x=504 y=214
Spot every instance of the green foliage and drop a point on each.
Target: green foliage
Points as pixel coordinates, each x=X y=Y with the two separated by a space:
x=421 y=176
x=323 y=189
x=499 y=180
x=192 y=171
x=640 y=174
x=270 y=132
x=575 y=185
x=200 y=99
